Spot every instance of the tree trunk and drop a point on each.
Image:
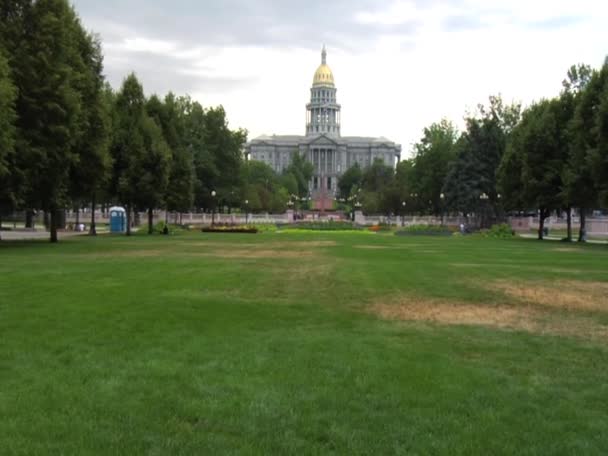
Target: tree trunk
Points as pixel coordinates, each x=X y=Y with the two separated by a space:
x=54 y=213
x=128 y=208
x=582 y=233
x=93 y=228
x=569 y=219
x=29 y=218
x=150 y=221
x=77 y=215
x=541 y=225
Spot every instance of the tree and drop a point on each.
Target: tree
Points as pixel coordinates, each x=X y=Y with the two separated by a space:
x=542 y=151
x=302 y=170
x=376 y=180
x=220 y=157
x=434 y=153
x=580 y=186
x=48 y=72
x=480 y=150
x=170 y=116
x=510 y=181
x=8 y=117
x=579 y=189
x=153 y=165
x=128 y=145
x=91 y=169
x=599 y=156
x=350 y=182
x=261 y=185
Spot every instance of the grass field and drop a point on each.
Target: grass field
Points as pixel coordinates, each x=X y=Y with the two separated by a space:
x=303 y=344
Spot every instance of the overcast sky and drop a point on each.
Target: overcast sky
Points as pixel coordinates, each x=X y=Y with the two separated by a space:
x=399 y=65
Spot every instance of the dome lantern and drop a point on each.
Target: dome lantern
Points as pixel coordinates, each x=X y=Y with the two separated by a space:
x=323 y=75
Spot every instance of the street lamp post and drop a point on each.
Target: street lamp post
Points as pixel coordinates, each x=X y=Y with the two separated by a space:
x=246 y=212
x=213 y=194
x=442 y=196
x=403 y=204
x=483 y=198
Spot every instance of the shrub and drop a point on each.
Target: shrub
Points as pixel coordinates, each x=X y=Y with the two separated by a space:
x=380 y=227
x=230 y=229
x=425 y=230
x=502 y=231
x=323 y=226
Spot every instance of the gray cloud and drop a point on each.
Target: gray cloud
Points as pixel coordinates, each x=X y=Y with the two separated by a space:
x=216 y=24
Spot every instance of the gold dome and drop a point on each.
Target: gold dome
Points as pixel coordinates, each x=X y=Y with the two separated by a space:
x=323 y=75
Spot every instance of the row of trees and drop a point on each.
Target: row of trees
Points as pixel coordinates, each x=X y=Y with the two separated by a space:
x=551 y=156
x=68 y=140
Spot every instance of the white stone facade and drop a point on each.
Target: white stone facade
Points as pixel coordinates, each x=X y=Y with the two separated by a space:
x=330 y=153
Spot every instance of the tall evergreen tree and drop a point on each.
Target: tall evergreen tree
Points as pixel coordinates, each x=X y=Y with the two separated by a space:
x=479 y=154
x=49 y=105
x=599 y=155
x=434 y=153
x=170 y=115
x=128 y=145
x=350 y=182
x=91 y=170
x=542 y=152
x=8 y=95
x=153 y=169
x=579 y=189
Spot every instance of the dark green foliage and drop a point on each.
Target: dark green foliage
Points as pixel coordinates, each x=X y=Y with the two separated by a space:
x=324 y=226
x=434 y=153
x=350 y=182
x=8 y=117
x=479 y=153
x=599 y=155
x=425 y=230
x=543 y=151
x=501 y=231
x=302 y=171
x=90 y=173
x=128 y=145
x=376 y=183
x=217 y=158
x=50 y=71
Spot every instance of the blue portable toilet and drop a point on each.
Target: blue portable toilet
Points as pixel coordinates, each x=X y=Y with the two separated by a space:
x=118 y=220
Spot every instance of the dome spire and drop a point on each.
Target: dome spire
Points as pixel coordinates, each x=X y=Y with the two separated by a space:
x=324 y=56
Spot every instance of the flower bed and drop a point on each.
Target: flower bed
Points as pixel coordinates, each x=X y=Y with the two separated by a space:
x=322 y=226
x=230 y=229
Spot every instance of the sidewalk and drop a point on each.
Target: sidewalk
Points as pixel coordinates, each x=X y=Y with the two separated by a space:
x=27 y=235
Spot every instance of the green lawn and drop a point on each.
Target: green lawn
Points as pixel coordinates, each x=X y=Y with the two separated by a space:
x=303 y=344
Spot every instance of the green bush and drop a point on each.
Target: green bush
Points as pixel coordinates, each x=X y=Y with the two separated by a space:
x=502 y=231
x=159 y=228
x=322 y=226
x=425 y=230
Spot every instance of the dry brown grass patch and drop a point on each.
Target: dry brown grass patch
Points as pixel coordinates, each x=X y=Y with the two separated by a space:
x=277 y=254
x=128 y=254
x=521 y=318
x=572 y=295
x=303 y=244
x=457 y=313
x=567 y=249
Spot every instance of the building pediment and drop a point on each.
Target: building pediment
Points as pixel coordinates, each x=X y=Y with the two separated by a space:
x=323 y=140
